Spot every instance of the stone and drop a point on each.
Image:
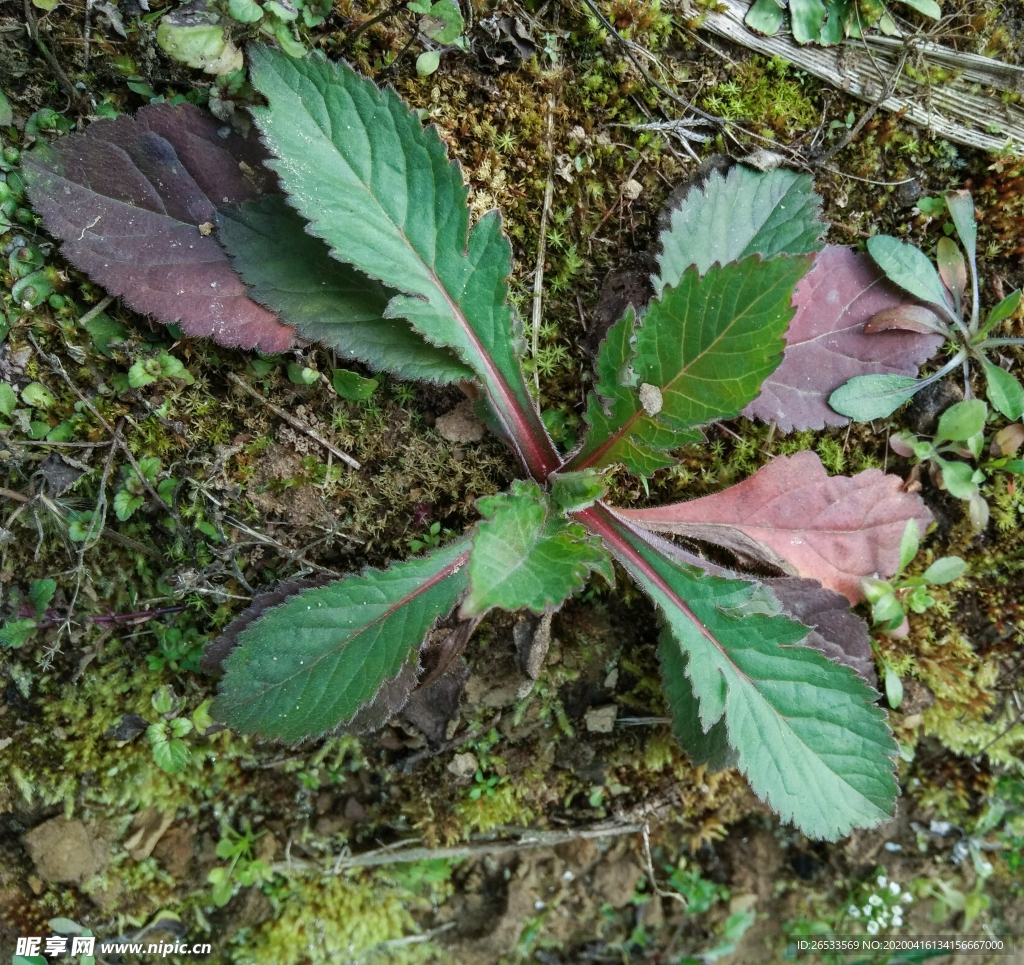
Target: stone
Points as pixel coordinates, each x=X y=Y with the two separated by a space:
x=461 y=424
x=601 y=720
x=464 y=765
x=64 y=851
x=174 y=850
x=147 y=828
x=616 y=880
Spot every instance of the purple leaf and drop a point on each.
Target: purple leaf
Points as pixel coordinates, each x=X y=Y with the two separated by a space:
x=837 y=633
x=826 y=345
x=128 y=198
x=792 y=515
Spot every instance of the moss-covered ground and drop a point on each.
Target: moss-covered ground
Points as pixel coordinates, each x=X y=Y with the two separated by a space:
x=112 y=643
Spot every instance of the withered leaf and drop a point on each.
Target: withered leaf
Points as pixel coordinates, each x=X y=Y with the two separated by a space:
x=127 y=199
x=826 y=345
x=794 y=516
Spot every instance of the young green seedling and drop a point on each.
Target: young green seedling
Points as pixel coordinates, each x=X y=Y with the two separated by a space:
x=949 y=308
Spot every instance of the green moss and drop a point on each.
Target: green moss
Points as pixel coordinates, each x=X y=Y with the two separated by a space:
x=766 y=95
x=338 y=919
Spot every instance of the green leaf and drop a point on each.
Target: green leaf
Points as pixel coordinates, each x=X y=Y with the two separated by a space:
x=958 y=478
x=37 y=395
x=867 y=397
x=201 y=718
x=711 y=748
x=221 y=892
x=8 y=400
x=909 y=544
x=908 y=267
x=836 y=22
x=171 y=755
x=945 y=570
x=443 y=22
x=162 y=700
x=764 y=17
x=302 y=374
x=380 y=190
x=573 y=491
x=245 y=11
x=144 y=372
x=1000 y=312
x=351 y=385
x=15 y=633
x=172 y=368
x=40 y=593
x=744 y=213
x=893 y=687
x=928 y=7
x=1003 y=390
x=292 y=273
x=181 y=726
x=309 y=664
x=952 y=269
x=806 y=19
x=960 y=203
x=202 y=46
x=805 y=730
x=526 y=554
x=887 y=610
x=126 y=503
x=706 y=346
x=961 y=421
x=428 y=62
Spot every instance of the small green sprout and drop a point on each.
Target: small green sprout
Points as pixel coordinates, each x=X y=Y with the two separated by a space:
x=244 y=870
x=890 y=599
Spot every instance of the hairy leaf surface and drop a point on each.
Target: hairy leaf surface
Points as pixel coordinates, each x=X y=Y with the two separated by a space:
x=380 y=190
x=826 y=345
x=293 y=273
x=127 y=199
x=837 y=633
x=745 y=213
x=711 y=748
x=527 y=554
x=705 y=346
x=311 y=663
x=804 y=729
x=793 y=515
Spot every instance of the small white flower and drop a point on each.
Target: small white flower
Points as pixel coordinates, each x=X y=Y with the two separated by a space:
x=907 y=898
x=867 y=909
x=853 y=911
x=894 y=889
x=897 y=920
x=875 y=900
x=882 y=881
x=872 y=927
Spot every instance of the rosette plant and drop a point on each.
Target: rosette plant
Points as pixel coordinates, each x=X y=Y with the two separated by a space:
x=364 y=243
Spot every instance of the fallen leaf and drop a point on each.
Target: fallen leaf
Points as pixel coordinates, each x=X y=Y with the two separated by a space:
x=128 y=198
x=826 y=345
x=792 y=515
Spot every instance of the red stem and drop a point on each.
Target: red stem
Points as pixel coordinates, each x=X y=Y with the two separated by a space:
x=618 y=536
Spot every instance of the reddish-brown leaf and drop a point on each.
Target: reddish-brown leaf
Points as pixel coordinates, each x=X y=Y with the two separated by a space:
x=907 y=318
x=792 y=515
x=127 y=199
x=826 y=345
